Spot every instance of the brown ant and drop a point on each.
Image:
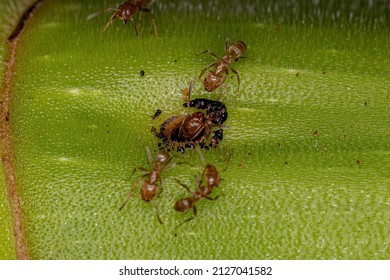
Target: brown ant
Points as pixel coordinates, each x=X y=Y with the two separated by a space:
x=152 y=177
x=205 y=184
x=217 y=76
x=126 y=12
x=188 y=131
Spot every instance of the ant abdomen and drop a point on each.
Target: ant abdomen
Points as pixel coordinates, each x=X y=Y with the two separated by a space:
x=184 y=204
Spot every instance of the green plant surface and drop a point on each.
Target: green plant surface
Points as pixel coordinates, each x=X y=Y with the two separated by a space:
x=7 y=249
x=308 y=135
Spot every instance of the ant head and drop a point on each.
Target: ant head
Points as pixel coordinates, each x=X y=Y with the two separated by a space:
x=237 y=50
x=242 y=45
x=162 y=157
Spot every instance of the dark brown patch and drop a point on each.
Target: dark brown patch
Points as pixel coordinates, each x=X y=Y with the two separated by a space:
x=22 y=22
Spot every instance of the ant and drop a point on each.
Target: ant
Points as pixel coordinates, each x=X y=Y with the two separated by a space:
x=126 y=12
x=205 y=184
x=194 y=128
x=149 y=187
x=217 y=76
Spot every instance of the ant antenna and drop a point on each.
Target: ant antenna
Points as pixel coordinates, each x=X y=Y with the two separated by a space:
x=200 y=154
x=157 y=213
x=189 y=94
x=228 y=161
x=95 y=14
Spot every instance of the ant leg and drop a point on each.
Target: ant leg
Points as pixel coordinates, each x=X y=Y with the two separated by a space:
x=125 y=202
x=138 y=168
x=204 y=171
x=200 y=154
x=135 y=27
x=210 y=53
x=185 y=221
x=110 y=21
x=140 y=18
x=227 y=163
x=199 y=180
x=238 y=79
x=207 y=67
x=130 y=193
x=204 y=69
x=197 y=79
x=184 y=186
x=150 y=158
x=212 y=198
x=151 y=18
x=157 y=212
x=172 y=165
x=223 y=88
x=161 y=187
x=154 y=24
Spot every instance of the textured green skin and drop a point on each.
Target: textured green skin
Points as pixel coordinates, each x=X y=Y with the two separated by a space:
x=308 y=178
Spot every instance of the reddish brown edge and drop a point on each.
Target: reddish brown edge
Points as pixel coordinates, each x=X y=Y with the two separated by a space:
x=5 y=134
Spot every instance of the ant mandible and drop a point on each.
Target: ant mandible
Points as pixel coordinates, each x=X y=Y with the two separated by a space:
x=205 y=184
x=217 y=76
x=126 y=12
x=149 y=187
